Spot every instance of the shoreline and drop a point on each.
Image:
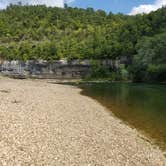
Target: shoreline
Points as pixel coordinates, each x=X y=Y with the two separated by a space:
x=146 y=131
x=51 y=124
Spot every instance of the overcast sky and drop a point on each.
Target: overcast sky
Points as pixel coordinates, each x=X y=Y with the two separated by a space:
x=115 y=6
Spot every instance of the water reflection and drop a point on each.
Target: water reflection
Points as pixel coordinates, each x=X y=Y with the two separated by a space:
x=142 y=106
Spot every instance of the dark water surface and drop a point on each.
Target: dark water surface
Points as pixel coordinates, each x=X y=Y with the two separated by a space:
x=141 y=106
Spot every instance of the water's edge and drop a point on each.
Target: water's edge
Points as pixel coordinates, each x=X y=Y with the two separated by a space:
x=143 y=133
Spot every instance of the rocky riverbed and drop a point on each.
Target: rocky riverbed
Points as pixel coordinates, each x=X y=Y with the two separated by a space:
x=42 y=123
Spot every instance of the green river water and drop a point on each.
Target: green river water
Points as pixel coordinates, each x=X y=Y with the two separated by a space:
x=139 y=105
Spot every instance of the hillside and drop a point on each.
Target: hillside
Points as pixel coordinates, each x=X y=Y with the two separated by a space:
x=39 y=32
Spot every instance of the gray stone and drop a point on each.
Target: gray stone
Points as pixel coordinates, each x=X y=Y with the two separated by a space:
x=55 y=69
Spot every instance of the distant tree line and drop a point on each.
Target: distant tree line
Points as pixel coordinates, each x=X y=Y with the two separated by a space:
x=40 y=32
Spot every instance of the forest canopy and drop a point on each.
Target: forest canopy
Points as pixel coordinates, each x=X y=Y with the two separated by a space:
x=51 y=33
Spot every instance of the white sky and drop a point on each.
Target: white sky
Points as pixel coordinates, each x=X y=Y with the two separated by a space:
x=58 y=3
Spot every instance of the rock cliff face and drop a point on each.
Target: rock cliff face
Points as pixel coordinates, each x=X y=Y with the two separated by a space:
x=44 y=69
x=55 y=69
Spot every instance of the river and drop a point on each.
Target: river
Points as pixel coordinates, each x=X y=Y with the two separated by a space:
x=141 y=106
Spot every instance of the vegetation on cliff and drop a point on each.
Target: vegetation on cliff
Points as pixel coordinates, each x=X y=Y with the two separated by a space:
x=40 y=32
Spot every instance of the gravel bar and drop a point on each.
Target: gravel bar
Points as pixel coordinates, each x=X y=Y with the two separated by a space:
x=48 y=124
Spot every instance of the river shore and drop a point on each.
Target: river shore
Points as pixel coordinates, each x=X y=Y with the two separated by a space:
x=42 y=123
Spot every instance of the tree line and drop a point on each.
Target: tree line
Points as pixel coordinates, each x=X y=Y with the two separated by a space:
x=51 y=33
